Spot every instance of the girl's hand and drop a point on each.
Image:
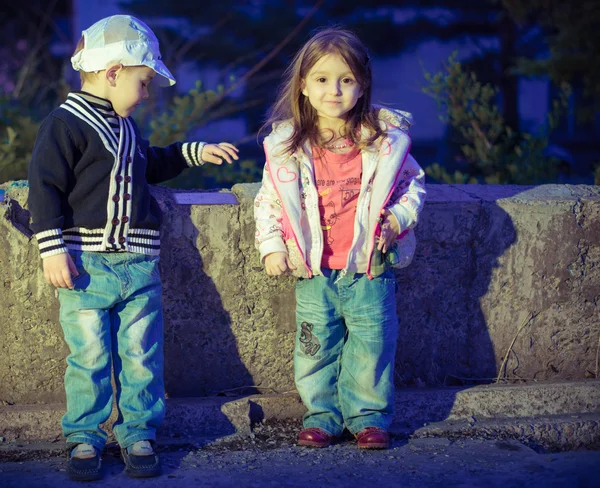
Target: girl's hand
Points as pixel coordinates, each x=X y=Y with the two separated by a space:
x=58 y=270
x=278 y=263
x=390 y=228
x=216 y=153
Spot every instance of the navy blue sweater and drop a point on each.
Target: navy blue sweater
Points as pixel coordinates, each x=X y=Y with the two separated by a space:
x=89 y=180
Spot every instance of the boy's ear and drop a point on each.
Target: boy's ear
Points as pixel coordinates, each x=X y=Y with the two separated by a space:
x=112 y=73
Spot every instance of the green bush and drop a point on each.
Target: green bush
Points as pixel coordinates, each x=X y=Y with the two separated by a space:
x=490 y=150
x=17 y=135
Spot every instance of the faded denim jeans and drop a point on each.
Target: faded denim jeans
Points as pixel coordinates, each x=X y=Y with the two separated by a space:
x=113 y=318
x=345 y=350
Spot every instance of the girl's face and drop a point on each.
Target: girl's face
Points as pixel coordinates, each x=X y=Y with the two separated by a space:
x=332 y=90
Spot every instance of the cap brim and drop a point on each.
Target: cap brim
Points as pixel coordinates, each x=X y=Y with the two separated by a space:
x=163 y=75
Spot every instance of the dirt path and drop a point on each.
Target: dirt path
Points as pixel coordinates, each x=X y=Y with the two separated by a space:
x=414 y=463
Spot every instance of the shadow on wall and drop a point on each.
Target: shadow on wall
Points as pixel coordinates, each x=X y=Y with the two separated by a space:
x=201 y=354
x=446 y=341
x=200 y=360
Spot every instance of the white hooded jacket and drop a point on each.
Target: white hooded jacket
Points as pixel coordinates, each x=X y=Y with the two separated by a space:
x=286 y=207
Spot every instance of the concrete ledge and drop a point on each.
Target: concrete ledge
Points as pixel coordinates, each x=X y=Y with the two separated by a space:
x=498 y=401
x=534 y=411
x=487 y=257
x=548 y=433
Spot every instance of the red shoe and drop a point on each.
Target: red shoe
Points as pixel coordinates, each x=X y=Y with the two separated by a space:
x=314 y=437
x=373 y=438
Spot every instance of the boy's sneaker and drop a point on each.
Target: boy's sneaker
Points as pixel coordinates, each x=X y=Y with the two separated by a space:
x=140 y=460
x=85 y=463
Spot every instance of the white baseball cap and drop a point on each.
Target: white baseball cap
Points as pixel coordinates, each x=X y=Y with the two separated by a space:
x=121 y=39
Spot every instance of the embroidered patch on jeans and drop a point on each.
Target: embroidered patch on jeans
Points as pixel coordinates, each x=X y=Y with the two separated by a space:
x=310 y=344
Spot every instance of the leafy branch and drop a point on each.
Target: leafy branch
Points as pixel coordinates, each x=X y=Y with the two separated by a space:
x=491 y=151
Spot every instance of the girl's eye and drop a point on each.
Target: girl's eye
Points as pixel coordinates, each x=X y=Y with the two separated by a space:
x=321 y=80
x=348 y=80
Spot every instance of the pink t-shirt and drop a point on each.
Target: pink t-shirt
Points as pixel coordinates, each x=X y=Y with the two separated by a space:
x=338 y=184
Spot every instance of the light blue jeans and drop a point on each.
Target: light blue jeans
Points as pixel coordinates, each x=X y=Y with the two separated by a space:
x=345 y=350
x=113 y=318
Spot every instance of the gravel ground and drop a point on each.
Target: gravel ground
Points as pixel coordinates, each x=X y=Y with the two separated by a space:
x=269 y=458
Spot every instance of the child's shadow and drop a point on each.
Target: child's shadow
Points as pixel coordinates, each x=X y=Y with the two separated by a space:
x=444 y=338
x=201 y=353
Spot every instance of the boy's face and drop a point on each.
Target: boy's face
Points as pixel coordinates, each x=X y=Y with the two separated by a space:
x=130 y=89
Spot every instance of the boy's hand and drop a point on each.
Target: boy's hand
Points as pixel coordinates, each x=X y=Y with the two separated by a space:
x=58 y=270
x=216 y=153
x=390 y=228
x=278 y=263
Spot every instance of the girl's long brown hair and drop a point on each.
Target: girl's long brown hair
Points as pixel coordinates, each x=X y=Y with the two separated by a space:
x=292 y=104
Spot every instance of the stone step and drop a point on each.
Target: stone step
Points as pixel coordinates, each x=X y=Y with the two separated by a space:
x=414 y=407
x=551 y=433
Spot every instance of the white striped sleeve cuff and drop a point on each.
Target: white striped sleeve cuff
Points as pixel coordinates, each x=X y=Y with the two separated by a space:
x=192 y=152
x=50 y=242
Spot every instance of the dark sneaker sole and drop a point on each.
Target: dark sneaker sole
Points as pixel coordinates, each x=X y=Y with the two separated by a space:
x=91 y=472
x=85 y=477
x=141 y=466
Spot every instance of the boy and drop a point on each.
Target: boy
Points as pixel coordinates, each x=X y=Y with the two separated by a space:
x=97 y=227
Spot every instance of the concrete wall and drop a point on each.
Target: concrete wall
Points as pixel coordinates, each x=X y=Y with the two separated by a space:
x=487 y=257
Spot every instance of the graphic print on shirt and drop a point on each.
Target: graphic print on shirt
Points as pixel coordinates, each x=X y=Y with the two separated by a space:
x=348 y=190
x=328 y=215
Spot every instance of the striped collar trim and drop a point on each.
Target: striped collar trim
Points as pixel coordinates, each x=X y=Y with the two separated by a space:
x=80 y=107
x=100 y=104
x=103 y=120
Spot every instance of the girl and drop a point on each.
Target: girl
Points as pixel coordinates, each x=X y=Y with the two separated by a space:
x=339 y=197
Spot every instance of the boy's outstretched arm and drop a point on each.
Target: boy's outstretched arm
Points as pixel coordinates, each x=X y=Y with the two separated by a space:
x=167 y=162
x=216 y=153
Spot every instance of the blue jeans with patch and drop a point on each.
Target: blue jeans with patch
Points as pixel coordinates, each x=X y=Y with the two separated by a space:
x=112 y=320
x=345 y=350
